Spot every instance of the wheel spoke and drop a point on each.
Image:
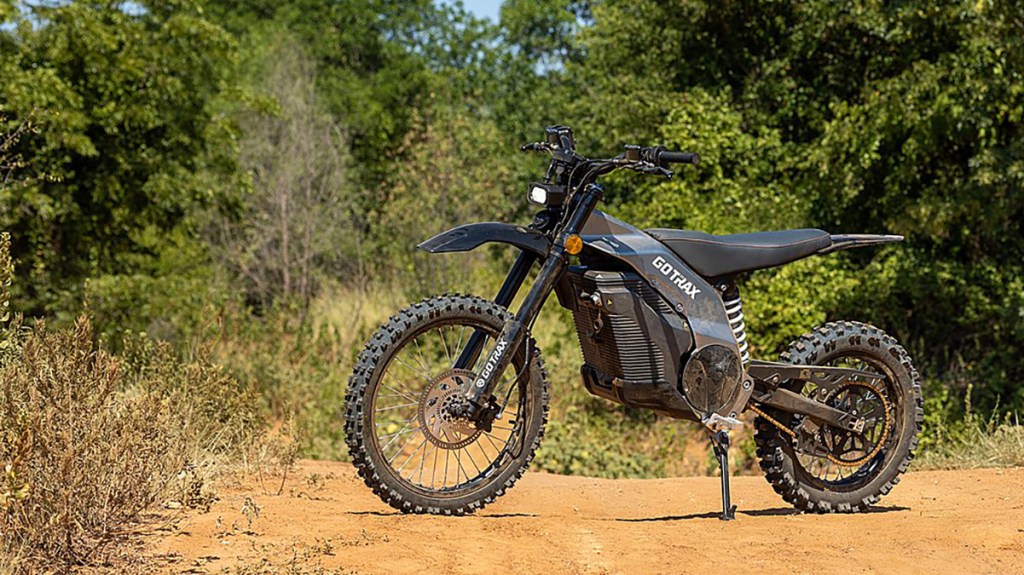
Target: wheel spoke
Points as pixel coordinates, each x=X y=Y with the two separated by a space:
x=396 y=437
x=471 y=460
x=413 y=369
x=414 y=452
x=446 y=454
x=458 y=460
x=401 y=449
x=393 y=434
x=383 y=423
x=397 y=391
x=426 y=362
x=433 y=468
x=424 y=460
x=458 y=346
x=447 y=352
x=393 y=407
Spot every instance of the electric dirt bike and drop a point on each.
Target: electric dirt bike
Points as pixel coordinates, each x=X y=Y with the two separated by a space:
x=449 y=399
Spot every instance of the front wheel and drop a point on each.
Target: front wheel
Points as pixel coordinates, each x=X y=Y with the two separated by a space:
x=402 y=438
x=855 y=469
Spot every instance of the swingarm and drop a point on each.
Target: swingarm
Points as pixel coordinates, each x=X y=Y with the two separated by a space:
x=769 y=375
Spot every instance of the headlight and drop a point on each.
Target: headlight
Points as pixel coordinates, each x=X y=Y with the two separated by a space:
x=546 y=194
x=538 y=195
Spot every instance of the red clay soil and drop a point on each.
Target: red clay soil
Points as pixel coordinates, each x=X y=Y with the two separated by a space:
x=935 y=522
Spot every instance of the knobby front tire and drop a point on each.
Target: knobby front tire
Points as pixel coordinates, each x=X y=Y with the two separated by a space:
x=404 y=445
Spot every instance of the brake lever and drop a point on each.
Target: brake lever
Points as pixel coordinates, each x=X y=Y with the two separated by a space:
x=649 y=168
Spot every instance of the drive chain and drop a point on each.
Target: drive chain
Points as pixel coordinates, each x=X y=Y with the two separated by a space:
x=829 y=456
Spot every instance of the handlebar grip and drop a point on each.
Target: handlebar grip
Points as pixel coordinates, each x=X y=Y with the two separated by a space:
x=667 y=157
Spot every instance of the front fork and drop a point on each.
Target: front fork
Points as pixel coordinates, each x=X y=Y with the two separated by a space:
x=477 y=395
x=516 y=276
x=515 y=331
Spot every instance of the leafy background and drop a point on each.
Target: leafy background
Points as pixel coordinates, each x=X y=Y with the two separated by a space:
x=250 y=178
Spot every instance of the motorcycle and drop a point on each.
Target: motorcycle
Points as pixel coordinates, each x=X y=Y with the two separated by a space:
x=448 y=400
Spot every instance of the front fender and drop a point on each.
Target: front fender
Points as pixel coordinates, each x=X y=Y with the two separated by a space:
x=471 y=236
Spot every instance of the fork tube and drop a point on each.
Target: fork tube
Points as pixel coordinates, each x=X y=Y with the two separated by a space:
x=516 y=277
x=514 y=332
x=516 y=329
x=509 y=289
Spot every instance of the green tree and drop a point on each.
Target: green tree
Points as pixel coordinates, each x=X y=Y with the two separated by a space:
x=125 y=133
x=877 y=117
x=377 y=60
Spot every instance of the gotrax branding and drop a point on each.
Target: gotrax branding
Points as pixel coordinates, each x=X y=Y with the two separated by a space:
x=492 y=362
x=677 y=278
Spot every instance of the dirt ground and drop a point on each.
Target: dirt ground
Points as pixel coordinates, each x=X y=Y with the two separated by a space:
x=327 y=521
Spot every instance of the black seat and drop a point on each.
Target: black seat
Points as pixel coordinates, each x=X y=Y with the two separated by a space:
x=715 y=256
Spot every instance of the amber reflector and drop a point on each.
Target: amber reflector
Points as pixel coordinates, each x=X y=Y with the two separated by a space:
x=573 y=244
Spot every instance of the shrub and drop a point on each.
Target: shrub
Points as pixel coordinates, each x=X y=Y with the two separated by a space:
x=82 y=461
x=89 y=440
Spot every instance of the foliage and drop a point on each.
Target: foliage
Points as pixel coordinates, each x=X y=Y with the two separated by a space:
x=971 y=441
x=169 y=134
x=896 y=118
x=12 y=164
x=88 y=440
x=120 y=101
x=458 y=166
x=296 y=223
x=377 y=60
x=300 y=367
x=9 y=322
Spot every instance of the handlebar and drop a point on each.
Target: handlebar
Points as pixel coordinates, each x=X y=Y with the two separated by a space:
x=566 y=165
x=662 y=157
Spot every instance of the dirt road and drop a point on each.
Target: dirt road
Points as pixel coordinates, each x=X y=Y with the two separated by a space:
x=962 y=522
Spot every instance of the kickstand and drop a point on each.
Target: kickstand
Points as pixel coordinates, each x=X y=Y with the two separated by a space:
x=720 y=443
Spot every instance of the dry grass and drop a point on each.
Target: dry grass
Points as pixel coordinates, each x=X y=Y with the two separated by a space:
x=89 y=441
x=301 y=370
x=81 y=462
x=300 y=363
x=974 y=443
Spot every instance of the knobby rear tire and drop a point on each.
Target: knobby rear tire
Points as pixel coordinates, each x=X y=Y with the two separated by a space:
x=775 y=451
x=388 y=341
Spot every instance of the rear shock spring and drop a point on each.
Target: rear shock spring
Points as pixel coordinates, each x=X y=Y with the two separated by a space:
x=734 y=311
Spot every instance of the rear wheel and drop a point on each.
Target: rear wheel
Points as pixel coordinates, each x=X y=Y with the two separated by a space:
x=401 y=435
x=853 y=470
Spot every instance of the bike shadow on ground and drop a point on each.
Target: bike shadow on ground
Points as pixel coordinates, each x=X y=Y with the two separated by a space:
x=771 y=512
x=479 y=516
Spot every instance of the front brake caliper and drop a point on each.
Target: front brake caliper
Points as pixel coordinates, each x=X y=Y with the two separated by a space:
x=485 y=419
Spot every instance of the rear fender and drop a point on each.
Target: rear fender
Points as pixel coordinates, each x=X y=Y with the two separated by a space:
x=471 y=236
x=850 y=241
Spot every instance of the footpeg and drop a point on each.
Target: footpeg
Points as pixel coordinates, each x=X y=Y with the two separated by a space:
x=718 y=423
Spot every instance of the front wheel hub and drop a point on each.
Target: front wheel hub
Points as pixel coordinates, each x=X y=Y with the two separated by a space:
x=441 y=406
